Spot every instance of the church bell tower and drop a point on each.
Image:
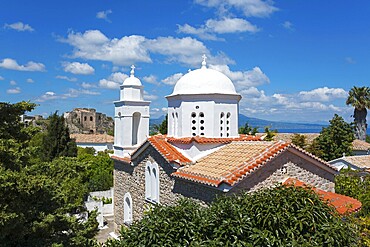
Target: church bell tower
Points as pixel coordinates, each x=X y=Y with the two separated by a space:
x=131 y=118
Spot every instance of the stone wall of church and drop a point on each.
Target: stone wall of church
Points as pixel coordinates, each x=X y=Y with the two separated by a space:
x=287 y=165
x=131 y=179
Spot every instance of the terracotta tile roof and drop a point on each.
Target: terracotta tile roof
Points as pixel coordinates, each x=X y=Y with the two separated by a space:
x=362 y=161
x=122 y=159
x=169 y=152
x=203 y=140
x=92 y=138
x=233 y=162
x=343 y=204
x=360 y=145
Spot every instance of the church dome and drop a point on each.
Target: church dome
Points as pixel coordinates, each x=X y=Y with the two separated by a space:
x=132 y=80
x=204 y=81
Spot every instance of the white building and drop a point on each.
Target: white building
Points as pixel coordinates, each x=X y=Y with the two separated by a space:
x=131 y=118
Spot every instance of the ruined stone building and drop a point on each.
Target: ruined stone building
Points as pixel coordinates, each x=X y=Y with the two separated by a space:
x=202 y=156
x=87 y=121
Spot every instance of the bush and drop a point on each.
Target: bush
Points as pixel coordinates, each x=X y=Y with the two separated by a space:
x=283 y=216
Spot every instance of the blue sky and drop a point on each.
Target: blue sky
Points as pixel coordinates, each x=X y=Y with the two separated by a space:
x=290 y=60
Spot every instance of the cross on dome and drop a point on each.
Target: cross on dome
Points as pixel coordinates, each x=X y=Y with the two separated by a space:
x=204 y=63
x=132 y=70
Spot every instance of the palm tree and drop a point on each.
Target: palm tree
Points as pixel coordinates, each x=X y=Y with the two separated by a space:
x=359 y=98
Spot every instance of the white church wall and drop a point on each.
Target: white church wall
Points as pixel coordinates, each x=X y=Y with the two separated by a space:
x=195 y=151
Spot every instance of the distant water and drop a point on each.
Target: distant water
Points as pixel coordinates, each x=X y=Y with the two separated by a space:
x=315 y=130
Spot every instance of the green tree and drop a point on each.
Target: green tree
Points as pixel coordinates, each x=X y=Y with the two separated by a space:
x=36 y=200
x=57 y=141
x=299 y=140
x=282 y=216
x=161 y=128
x=359 y=98
x=248 y=130
x=269 y=134
x=334 y=140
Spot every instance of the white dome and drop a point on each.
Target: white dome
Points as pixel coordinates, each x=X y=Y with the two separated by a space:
x=132 y=81
x=204 y=81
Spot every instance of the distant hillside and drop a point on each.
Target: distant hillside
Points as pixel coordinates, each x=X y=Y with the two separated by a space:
x=282 y=127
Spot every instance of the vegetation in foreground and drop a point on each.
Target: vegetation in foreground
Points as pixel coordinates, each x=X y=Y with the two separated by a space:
x=41 y=194
x=283 y=216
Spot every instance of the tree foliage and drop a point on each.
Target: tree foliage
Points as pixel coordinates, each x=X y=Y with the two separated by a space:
x=359 y=98
x=248 y=130
x=299 y=140
x=57 y=142
x=283 y=216
x=334 y=140
x=269 y=134
x=37 y=200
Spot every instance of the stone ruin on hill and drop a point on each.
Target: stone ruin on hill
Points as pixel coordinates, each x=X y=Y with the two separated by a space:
x=88 y=121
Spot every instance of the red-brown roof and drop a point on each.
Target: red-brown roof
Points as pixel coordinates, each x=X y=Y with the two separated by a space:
x=168 y=152
x=233 y=162
x=123 y=159
x=92 y=138
x=343 y=204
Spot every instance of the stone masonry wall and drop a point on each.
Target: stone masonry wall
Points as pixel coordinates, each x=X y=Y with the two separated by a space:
x=287 y=165
x=131 y=179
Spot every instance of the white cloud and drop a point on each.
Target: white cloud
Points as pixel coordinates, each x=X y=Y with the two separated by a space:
x=72 y=93
x=13 y=83
x=288 y=25
x=285 y=107
x=94 y=45
x=19 y=26
x=113 y=81
x=104 y=15
x=225 y=25
x=88 y=85
x=29 y=80
x=243 y=79
x=172 y=79
x=2 y=78
x=152 y=79
x=250 y=8
x=8 y=63
x=128 y=50
x=148 y=96
x=78 y=68
x=323 y=94
x=14 y=90
x=62 y=77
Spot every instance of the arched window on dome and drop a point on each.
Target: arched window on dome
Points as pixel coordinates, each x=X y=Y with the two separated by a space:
x=201 y=130
x=194 y=124
x=228 y=120
x=135 y=127
x=222 y=124
x=127 y=209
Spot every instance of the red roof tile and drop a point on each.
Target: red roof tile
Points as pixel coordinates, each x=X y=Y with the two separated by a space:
x=170 y=153
x=123 y=159
x=343 y=204
x=233 y=162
